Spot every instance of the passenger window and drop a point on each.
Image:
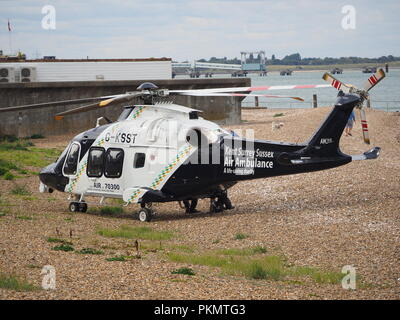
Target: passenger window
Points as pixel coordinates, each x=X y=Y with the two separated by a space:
x=114 y=163
x=71 y=162
x=95 y=164
x=139 y=160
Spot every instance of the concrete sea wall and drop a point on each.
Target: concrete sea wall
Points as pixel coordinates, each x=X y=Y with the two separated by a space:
x=224 y=110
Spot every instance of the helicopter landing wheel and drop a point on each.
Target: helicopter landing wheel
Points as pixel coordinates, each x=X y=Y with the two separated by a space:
x=83 y=207
x=74 y=207
x=216 y=206
x=145 y=214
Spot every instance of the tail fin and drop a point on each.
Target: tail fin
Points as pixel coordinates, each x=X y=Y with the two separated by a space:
x=325 y=141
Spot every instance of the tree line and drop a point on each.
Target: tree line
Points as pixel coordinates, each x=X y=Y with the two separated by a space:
x=296 y=59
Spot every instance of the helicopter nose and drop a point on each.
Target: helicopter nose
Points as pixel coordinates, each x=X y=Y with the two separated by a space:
x=51 y=179
x=48 y=177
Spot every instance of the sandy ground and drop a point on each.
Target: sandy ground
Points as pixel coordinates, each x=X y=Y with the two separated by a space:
x=344 y=216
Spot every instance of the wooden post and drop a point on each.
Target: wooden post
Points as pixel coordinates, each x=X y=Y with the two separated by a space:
x=314 y=101
x=256 y=101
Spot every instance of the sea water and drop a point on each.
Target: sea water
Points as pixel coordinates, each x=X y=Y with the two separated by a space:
x=385 y=95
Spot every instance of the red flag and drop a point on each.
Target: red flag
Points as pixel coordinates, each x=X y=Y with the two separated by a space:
x=9 y=25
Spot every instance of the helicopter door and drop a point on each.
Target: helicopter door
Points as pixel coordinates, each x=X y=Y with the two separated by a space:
x=104 y=170
x=137 y=169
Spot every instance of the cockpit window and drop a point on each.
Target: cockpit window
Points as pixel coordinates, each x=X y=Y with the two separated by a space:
x=71 y=162
x=125 y=113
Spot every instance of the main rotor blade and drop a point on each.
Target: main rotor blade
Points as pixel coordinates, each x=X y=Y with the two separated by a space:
x=364 y=126
x=103 y=103
x=374 y=79
x=335 y=82
x=55 y=103
x=244 y=89
x=211 y=94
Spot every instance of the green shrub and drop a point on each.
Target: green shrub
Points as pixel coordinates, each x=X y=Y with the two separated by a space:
x=36 y=136
x=90 y=251
x=64 y=247
x=8 y=176
x=117 y=258
x=185 y=271
x=8 y=138
x=240 y=236
x=256 y=271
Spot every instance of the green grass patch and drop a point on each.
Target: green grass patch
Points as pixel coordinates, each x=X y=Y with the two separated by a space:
x=317 y=275
x=16 y=145
x=21 y=153
x=181 y=247
x=117 y=258
x=19 y=190
x=24 y=217
x=252 y=263
x=210 y=260
x=64 y=247
x=13 y=282
x=90 y=251
x=127 y=232
x=276 y=115
x=270 y=267
x=243 y=252
x=2 y=214
x=184 y=270
x=240 y=236
x=8 y=176
x=6 y=166
x=15 y=154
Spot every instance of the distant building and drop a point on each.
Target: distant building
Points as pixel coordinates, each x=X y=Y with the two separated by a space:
x=53 y=70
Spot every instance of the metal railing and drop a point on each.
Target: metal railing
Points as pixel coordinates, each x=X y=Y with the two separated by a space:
x=387 y=105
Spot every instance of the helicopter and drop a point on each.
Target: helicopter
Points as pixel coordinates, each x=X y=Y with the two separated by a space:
x=158 y=151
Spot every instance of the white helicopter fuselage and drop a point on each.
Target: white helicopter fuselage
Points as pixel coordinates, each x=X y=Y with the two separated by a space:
x=136 y=154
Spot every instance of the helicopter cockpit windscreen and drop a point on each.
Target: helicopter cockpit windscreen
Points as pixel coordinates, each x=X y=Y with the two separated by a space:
x=71 y=162
x=125 y=113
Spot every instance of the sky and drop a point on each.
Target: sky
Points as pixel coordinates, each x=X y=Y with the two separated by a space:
x=195 y=29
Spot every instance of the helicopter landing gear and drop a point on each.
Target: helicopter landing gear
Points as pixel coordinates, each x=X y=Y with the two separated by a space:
x=190 y=206
x=221 y=203
x=216 y=206
x=146 y=213
x=78 y=206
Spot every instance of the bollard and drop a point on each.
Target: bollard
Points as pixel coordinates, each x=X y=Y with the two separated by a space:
x=387 y=67
x=314 y=101
x=256 y=101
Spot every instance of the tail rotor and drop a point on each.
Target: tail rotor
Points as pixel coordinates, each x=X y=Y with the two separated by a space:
x=363 y=93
